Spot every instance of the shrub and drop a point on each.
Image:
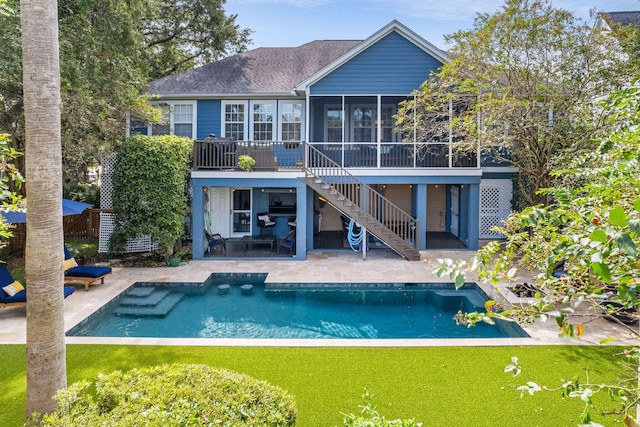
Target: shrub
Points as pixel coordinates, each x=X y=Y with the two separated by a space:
x=173 y=395
x=246 y=163
x=149 y=198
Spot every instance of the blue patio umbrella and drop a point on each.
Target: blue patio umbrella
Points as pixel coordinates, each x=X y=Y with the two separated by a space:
x=69 y=207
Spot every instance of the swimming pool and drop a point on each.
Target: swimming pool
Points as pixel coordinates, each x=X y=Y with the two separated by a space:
x=242 y=306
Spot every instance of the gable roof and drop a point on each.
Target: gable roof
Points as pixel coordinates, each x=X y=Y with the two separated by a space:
x=264 y=71
x=393 y=26
x=277 y=71
x=621 y=18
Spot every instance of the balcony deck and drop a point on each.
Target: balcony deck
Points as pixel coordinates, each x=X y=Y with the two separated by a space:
x=221 y=154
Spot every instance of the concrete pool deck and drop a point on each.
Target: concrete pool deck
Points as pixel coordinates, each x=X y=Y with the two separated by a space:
x=320 y=266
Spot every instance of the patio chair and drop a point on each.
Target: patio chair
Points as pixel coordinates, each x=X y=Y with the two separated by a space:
x=13 y=294
x=266 y=223
x=85 y=274
x=287 y=242
x=214 y=241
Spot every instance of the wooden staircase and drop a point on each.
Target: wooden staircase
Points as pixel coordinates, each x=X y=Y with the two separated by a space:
x=358 y=201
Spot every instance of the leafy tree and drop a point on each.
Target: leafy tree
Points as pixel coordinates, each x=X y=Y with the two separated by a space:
x=179 y=36
x=521 y=83
x=109 y=51
x=46 y=354
x=593 y=227
x=10 y=178
x=149 y=183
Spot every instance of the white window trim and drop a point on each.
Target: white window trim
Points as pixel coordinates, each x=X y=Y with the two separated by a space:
x=245 y=135
x=280 y=122
x=194 y=112
x=274 y=121
x=328 y=107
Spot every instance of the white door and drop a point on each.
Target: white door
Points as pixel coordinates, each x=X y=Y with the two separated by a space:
x=217 y=209
x=455 y=210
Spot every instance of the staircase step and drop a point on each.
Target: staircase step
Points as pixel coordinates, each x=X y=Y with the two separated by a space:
x=160 y=310
x=140 y=291
x=151 y=299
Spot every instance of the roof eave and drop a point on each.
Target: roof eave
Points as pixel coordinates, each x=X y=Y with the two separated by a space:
x=212 y=95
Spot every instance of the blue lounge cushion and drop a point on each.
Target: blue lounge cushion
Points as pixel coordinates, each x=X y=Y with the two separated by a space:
x=67 y=254
x=22 y=295
x=87 y=271
x=19 y=297
x=5 y=277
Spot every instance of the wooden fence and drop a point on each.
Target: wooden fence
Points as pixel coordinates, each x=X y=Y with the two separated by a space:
x=77 y=227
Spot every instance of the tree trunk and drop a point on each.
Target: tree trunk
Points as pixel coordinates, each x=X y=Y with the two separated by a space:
x=46 y=364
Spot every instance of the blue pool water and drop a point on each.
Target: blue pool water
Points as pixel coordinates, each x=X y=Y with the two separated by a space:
x=221 y=308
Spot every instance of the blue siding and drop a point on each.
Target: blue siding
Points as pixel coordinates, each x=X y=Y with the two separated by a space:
x=393 y=65
x=209 y=117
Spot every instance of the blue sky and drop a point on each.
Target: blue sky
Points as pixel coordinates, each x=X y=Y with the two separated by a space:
x=288 y=23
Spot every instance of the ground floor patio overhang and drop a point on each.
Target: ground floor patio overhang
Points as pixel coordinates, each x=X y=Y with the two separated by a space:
x=458 y=204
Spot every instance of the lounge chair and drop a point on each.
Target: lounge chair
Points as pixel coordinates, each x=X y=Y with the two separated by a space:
x=13 y=294
x=86 y=274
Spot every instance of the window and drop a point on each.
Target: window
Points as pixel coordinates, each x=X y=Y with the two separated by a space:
x=163 y=127
x=178 y=119
x=388 y=129
x=333 y=119
x=183 y=120
x=363 y=125
x=262 y=119
x=291 y=120
x=234 y=120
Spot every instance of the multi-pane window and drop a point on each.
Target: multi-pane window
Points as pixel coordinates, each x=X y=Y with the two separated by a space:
x=334 y=124
x=291 y=121
x=387 y=125
x=178 y=119
x=163 y=127
x=262 y=121
x=183 y=120
x=234 y=121
x=363 y=124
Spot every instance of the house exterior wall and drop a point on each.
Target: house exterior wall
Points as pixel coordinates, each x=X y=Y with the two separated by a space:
x=209 y=118
x=386 y=72
x=393 y=65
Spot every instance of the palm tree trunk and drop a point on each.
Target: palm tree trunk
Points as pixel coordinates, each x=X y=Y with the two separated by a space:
x=46 y=357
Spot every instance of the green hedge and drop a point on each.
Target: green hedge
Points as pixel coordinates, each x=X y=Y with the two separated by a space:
x=173 y=395
x=150 y=179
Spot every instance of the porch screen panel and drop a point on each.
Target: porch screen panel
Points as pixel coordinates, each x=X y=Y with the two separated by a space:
x=234 y=119
x=263 y=122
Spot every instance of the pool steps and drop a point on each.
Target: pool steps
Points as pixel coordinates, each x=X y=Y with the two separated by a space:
x=148 y=301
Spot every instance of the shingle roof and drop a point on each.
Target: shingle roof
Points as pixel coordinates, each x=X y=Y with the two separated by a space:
x=262 y=70
x=623 y=18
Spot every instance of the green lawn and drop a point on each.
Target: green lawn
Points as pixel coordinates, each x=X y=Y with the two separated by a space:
x=439 y=386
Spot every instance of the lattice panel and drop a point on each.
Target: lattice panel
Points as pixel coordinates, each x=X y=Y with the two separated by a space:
x=495 y=205
x=138 y=244
x=106 y=189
